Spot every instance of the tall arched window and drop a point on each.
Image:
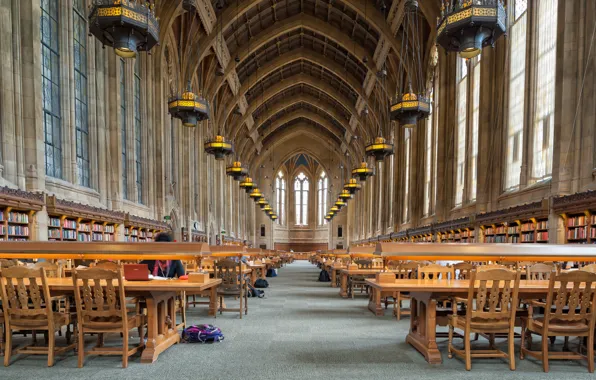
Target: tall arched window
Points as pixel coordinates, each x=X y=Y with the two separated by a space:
x=80 y=76
x=280 y=192
x=301 y=197
x=322 y=196
x=137 y=128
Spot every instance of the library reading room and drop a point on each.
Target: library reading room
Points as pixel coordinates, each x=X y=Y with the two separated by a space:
x=297 y=189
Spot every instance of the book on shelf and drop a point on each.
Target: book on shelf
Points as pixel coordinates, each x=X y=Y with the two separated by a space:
x=109 y=229
x=18 y=230
x=2 y=229
x=542 y=236
x=69 y=235
x=86 y=227
x=18 y=217
x=512 y=230
x=53 y=234
x=576 y=221
x=126 y=231
x=83 y=237
x=592 y=219
x=527 y=238
x=69 y=224
x=513 y=239
x=54 y=222
x=97 y=227
x=542 y=225
x=109 y=237
x=577 y=233
x=97 y=236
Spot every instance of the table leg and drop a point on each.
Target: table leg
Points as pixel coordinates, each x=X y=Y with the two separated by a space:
x=344 y=285
x=333 y=278
x=213 y=301
x=253 y=276
x=423 y=326
x=161 y=330
x=374 y=302
x=264 y=272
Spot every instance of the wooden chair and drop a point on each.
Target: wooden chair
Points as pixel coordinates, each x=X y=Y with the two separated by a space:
x=492 y=266
x=589 y=268
x=463 y=270
x=233 y=284
x=404 y=271
x=540 y=271
x=107 y=265
x=568 y=311
x=359 y=280
x=27 y=307
x=103 y=310
x=489 y=308
x=436 y=271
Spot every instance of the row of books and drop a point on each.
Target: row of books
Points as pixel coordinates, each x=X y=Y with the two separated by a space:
x=501 y=230
x=18 y=230
x=17 y=217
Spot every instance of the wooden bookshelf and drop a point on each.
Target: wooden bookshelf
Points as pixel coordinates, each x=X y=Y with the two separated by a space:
x=17 y=211
x=142 y=230
x=422 y=234
x=578 y=216
x=516 y=224
x=71 y=221
x=455 y=231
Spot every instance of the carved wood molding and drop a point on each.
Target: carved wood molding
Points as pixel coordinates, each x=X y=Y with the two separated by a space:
x=465 y=222
x=423 y=230
x=58 y=206
x=151 y=224
x=20 y=199
x=537 y=209
x=575 y=203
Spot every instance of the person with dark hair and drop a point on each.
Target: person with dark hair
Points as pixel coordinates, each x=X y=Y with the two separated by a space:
x=165 y=268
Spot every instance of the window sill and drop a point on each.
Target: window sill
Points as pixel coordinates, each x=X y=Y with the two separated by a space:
x=60 y=184
x=537 y=186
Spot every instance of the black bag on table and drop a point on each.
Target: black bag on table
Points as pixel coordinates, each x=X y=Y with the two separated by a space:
x=261 y=283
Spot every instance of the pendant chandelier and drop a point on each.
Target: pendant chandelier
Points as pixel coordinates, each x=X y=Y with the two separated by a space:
x=409 y=106
x=352 y=186
x=189 y=108
x=335 y=209
x=267 y=208
x=468 y=26
x=273 y=216
x=340 y=204
x=345 y=195
x=262 y=202
x=379 y=149
x=255 y=194
x=363 y=171
x=331 y=213
x=328 y=217
x=247 y=184
x=128 y=26
x=237 y=171
x=219 y=147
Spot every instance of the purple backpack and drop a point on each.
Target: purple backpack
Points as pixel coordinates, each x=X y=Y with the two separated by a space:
x=202 y=334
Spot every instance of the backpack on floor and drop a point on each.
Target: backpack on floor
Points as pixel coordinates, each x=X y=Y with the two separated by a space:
x=202 y=334
x=271 y=272
x=324 y=276
x=260 y=283
x=255 y=293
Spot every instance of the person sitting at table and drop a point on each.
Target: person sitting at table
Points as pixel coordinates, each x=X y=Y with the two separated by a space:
x=165 y=268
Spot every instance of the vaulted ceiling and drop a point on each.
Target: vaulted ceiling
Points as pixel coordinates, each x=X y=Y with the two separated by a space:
x=269 y=67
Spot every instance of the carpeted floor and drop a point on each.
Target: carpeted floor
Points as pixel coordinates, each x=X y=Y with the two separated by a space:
x=301 y=330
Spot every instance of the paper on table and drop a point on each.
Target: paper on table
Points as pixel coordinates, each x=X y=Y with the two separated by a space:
x=152 y=277
x=82 y=267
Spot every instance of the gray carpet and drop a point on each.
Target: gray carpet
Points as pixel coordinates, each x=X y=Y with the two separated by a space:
x=301 y=330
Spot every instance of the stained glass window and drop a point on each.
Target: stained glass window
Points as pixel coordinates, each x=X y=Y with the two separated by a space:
x=301 y=199
x=322 y=197
x=50 y=77
x=280 y=192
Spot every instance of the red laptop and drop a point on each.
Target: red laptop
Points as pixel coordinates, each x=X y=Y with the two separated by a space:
x=136 y=272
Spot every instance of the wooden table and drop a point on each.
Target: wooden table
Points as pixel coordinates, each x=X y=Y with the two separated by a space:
x=334 y=269
x=423 y=293
x=160 y=296
x=346 y=273
x=255 y=270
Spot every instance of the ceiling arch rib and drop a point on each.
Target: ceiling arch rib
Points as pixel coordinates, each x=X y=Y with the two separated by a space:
x=300 y=113
x=302 y=54
x=293 y=81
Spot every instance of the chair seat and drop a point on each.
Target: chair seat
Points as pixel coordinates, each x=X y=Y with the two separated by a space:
x=111 y=323
x=39 y=321
x=558 y=326
x=477 y=324
x=229 y=292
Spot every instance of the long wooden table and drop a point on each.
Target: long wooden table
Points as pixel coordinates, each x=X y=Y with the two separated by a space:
x=424 y=293
x=160 y=296
x=257 y=271
x=346 y=273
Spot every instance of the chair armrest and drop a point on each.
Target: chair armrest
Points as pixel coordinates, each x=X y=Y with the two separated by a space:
x=537 y=303
x=460 y=300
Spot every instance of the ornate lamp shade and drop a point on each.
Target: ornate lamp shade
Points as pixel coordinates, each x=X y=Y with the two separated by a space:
x=247 y=184
x=340 y=204
x=262 y=202
x=363 y=171
x=328 y=217
x=189 y=108
x=237 y=171
x=352 y=186
x=409 y=109
x=379 y=149
x=331 y=212
x=273 y=217
x=127 y=26
x=267 y=208
x=255 y=194
x=219 y=147
x=469 y=26
x=345 y=195
x=335 y=209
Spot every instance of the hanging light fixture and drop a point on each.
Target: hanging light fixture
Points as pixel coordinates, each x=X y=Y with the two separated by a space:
x=328 y=217
x=237 y=171
x=128 y=26
x=345 y=195
x=331 y=212
x=267 y=208
x=189 y=108
x=219 y=147
x=408 y=106
x=255 y=194
x=352 y=186
x=262 y=202
x=468 y=26
x=247 y=184
x=379 y=149
x=340 y=204
x=335 y=209
x=273 y=217
x=363 y=171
